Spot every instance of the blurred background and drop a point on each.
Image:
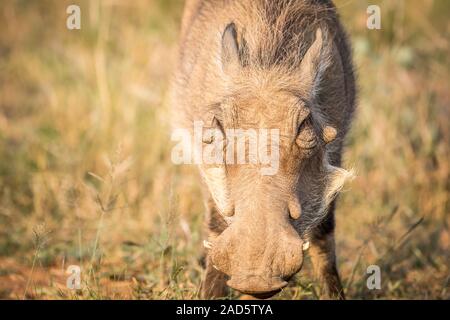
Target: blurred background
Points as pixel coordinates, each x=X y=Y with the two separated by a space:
x=86 y=177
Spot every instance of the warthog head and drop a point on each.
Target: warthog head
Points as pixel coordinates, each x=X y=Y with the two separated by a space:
x=269 y=215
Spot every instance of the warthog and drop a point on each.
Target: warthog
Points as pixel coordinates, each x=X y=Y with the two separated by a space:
x=268 y=64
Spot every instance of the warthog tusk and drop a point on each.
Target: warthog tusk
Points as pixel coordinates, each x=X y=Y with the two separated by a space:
x=207 y=244
x=305 y=246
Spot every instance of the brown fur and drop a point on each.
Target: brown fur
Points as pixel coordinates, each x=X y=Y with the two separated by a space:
x=282 y=64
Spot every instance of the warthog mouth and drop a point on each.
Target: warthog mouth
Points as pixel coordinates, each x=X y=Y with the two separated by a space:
x=258 y=286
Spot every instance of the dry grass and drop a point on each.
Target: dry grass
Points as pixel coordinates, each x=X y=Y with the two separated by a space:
x=86 y=177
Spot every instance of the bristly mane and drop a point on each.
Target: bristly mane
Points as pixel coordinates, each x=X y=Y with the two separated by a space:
x=282 y=31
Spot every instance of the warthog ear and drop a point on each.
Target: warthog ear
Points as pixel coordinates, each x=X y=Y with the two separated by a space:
x=230 y=49
x=313 y=65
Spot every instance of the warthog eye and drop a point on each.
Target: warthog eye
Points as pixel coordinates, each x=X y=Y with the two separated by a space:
x=306 y=138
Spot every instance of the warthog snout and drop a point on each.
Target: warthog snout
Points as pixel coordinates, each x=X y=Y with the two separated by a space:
x=259 y=253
